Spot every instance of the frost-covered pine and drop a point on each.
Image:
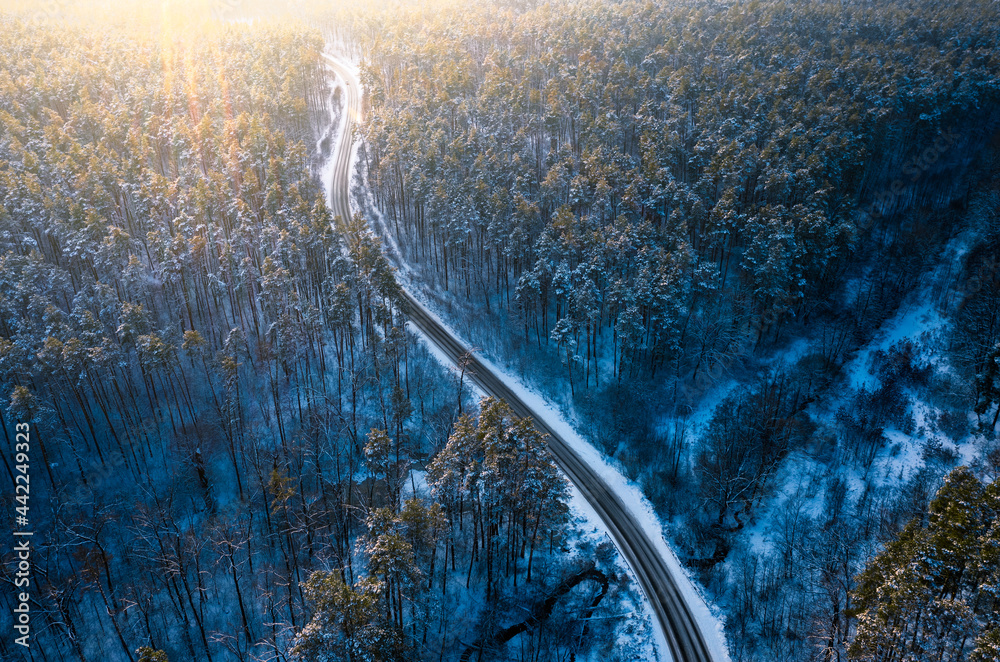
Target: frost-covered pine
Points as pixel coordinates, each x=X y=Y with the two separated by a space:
x=931 y=595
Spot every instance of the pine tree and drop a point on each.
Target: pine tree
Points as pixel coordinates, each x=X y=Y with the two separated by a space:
x=931 y=594
x=345 y=623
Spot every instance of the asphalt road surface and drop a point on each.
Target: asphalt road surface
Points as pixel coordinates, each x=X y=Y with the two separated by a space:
x=679 y=625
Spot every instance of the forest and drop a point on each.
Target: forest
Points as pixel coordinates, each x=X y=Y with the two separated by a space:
x=230 y=418
x=749 y=248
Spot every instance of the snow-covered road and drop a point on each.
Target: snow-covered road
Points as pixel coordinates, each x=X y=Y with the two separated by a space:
x=690 y=631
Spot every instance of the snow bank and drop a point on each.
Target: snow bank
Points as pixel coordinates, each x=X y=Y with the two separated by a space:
x=332 y=134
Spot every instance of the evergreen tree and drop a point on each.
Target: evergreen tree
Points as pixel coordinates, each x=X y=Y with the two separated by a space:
x=932 y=593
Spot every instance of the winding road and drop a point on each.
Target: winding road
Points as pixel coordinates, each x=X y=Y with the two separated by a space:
x=679 y=624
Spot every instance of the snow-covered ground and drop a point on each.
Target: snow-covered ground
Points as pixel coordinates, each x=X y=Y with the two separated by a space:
x=711 y=623
x=326 y=142
x=800 y=487
x=631 y=495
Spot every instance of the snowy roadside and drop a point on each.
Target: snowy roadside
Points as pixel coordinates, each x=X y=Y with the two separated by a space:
x=583 y=514
x=710 y=622
x=325 y=144
x=586 y=528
